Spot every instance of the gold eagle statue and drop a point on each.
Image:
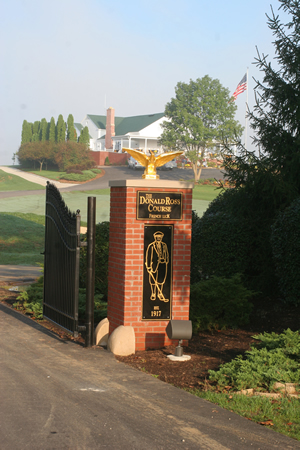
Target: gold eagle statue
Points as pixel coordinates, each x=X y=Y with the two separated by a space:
x=151 y=162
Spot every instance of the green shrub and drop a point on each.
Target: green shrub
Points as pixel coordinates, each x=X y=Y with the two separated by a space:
x=73 y=155
x=220 y=241
x=86 y=175
x=71 y=170
x=231 y=238
x=101 y=260
x=276 y=360
x=107 y=162
x=285 y=240
x=31 y=300
x=219 y=303
x=100 y=307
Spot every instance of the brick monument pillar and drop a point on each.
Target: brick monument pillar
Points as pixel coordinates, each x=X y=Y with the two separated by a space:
x=149 y=257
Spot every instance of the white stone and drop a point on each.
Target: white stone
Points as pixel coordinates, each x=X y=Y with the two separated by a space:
x=101 y=332
x=279 y=386
x=122 y=341
x=247 y=391
x=290 y=388
x=179 y=358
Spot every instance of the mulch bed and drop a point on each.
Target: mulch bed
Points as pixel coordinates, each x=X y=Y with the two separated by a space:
x=207 y=349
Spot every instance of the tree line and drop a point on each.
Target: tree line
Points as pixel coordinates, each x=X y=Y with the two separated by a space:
x=54 y=145
x=42 y=131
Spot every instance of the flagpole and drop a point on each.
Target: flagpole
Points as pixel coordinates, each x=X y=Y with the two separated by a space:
x=246 y=118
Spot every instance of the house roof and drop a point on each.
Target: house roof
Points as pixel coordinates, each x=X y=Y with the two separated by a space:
x=78 y=126
x=124 y=125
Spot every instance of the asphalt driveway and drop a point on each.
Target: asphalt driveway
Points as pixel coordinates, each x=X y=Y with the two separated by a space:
x=57 y=394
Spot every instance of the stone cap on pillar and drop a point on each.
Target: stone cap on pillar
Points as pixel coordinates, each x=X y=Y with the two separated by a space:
x=159 y=184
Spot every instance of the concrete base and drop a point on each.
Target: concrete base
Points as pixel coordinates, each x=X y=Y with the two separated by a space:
x=122 y=341
x=179 y=358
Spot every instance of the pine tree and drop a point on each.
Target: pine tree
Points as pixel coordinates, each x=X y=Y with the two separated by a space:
x=266 y=183
x=60 y=129
x=71 y=134
x=84 y=137
x=36 y=127
x=43 y=130
x=275 y=118
x=52 y=130
x=26 y=132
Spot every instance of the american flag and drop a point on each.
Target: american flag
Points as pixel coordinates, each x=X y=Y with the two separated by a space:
x=241 y=87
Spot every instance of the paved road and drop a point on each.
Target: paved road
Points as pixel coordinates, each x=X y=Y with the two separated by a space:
x=19 y=274
x=120 y=173
x=59 y=395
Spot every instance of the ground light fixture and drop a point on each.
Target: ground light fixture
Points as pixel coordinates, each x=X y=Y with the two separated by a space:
x=179 y=330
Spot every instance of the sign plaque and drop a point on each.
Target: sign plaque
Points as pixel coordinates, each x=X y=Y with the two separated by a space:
x=157 y=276
x=159 y=205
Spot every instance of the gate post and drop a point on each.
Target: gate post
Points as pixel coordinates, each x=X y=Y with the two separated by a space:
x=90 y=272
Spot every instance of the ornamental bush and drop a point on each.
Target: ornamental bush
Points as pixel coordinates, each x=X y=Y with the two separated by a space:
x=285 y=240
x=86 y=175
x=231 y=237
x=219 y=303
x=219 y=240
x=274 y=359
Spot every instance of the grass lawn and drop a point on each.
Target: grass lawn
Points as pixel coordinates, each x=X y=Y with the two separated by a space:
x=35 y=204
x=21 y=239
x=9 y=182
x=56 y=176
x=205 y=192
x=282 y=414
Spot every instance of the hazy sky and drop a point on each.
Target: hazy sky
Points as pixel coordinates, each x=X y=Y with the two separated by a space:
x=78 y=57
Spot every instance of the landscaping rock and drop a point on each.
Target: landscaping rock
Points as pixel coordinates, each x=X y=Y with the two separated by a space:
x=122 y=341
x=101 y=332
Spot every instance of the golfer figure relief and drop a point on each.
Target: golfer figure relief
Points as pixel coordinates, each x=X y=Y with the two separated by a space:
x=156 y=261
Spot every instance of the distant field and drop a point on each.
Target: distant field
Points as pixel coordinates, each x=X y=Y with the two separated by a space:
x=22 y=220
x=205 y=192
x=21 y=239
x=9 y=182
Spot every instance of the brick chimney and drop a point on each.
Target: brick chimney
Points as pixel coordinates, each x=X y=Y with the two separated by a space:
x=110 y=128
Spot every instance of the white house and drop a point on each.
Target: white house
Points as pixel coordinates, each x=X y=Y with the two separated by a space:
x=110 y=133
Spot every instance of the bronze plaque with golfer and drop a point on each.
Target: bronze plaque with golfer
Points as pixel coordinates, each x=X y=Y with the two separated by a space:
x=157 y=279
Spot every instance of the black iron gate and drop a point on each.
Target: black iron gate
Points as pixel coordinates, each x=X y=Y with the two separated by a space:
x=61 y=262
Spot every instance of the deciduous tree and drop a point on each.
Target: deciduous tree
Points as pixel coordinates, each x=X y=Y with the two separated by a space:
x=40 y=152
x=200 y=117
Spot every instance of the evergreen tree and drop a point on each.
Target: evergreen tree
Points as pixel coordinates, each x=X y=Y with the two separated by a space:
x=43 y=130
x=84 y=137
x=35 y=137
x=36 y=127
x=26 y=132
x=60 y=129
x=274 y=174
x=267 y=183
x=71 y=134
x=52 y=130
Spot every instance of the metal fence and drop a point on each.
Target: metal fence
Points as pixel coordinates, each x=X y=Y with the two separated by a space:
x=61 y=262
